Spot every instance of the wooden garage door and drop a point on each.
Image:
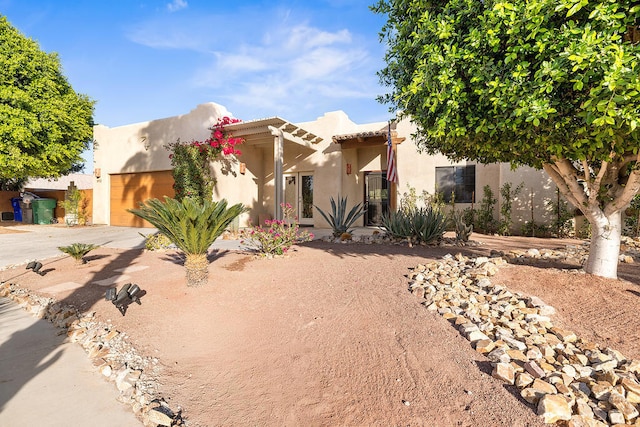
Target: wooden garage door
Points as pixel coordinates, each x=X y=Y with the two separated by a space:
x=129 y=189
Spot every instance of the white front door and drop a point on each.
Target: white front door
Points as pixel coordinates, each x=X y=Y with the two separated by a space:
x=298 y=192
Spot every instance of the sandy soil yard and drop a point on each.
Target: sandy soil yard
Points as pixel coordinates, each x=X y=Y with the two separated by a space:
x=331 y=335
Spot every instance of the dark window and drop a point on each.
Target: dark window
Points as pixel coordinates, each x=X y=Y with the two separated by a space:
x=458 y=180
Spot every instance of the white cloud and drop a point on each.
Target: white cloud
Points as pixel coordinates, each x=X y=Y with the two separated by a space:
x=179 y=32
x=176 y=5
x=325 y=62
x=304 y=37
x=284 y=69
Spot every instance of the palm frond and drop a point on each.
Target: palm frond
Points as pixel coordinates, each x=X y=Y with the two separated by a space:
x=190 y=225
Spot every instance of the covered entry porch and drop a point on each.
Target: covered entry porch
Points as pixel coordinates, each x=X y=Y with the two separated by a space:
x=278 y=156
x=364 y=158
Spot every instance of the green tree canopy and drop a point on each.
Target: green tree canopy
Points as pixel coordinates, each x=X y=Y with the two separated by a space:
x=547 y=83
x=44 y=124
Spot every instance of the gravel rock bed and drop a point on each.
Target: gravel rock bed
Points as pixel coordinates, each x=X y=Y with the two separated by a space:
x=568 y=379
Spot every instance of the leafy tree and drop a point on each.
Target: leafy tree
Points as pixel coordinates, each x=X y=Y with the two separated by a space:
x=547 y=83
x=44 y=124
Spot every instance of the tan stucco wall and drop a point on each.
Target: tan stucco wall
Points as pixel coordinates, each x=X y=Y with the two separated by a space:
x=139 y=147
x=329 y=163
x=538 y=189
x=417 y=170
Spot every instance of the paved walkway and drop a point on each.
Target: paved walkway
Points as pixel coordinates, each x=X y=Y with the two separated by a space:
x=45 y=381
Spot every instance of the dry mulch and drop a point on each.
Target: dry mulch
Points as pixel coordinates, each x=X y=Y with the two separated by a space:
x=330 y=335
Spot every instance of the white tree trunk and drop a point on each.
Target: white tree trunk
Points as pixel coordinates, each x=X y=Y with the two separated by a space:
x=605 y=245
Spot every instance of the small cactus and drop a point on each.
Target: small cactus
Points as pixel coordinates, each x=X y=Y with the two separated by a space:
x=463 y=231
x=78 y=250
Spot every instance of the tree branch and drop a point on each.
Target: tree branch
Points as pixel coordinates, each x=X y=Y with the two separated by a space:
x=624 y=194
x=594 y=186
x=587 y=172
x=567 y=183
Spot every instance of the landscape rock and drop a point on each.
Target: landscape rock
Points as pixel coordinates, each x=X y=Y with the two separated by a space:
x=553 y=408
x=553 y=367
x=157 y=417
x=504 y=372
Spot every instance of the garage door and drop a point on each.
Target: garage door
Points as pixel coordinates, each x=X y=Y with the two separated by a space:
x=129 y=189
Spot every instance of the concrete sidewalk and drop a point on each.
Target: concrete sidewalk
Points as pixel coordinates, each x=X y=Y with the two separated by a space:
x=47 y=381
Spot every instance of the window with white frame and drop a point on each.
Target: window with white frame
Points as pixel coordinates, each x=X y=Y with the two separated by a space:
x=458 y=180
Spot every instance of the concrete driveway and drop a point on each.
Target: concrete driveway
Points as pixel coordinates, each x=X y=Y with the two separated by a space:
x=42 y=241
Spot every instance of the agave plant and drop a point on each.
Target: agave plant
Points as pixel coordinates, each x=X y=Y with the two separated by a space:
x=78 y=250
x=339 y=220
x=192 y=226
x=423 y=225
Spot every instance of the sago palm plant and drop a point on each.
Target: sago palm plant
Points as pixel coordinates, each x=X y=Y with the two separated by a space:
x=192 y=226
x=78 y=251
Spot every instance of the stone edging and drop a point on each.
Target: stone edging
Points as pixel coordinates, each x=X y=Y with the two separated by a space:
x=567 y=378
x=117 y=360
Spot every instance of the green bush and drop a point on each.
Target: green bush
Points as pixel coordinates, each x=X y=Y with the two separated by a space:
x=486 y=221
x=534 y=229
x=192 y=225
x=562 y=225
x=423 y=225
x=508 y=194
x=156 y=242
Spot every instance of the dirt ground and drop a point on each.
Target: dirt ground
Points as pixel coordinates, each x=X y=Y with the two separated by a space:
x=331 y=335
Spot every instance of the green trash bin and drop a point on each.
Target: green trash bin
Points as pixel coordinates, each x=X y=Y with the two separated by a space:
x=43 y=210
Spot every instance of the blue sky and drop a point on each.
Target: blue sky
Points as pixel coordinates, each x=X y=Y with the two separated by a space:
x=148 y=59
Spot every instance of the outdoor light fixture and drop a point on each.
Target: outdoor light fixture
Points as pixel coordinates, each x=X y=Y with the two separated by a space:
x=35 y=266
x=121 y=299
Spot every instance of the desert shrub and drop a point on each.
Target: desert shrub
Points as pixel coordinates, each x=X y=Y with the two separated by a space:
x=561 y=225
x=508 y=194
x=156 y=241
x=277 y=236
x=486 y=221
x=74 y=208
x=410 y=200
x=535 y=229
x=463 y=230
x=632 y=220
